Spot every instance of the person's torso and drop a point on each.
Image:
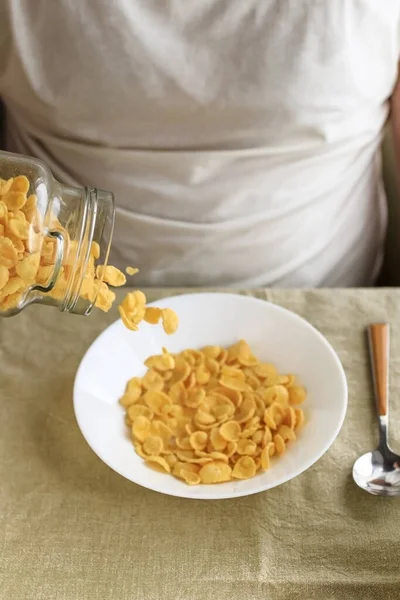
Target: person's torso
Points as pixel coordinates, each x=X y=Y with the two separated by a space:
x=240 y=138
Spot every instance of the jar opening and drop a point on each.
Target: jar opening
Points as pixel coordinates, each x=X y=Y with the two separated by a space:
x=97 y=229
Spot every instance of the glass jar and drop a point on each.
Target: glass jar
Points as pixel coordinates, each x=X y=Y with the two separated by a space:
x=58 y=233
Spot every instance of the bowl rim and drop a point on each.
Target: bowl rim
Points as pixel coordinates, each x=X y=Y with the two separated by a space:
x=240 y=493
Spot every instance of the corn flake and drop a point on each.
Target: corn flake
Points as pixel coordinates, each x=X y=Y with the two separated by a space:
x=129 y=398
x=297 y=395
x=230 y=431
x=158 y=463
x=246 y=446
x=198 y=440
x=27 y=268
x=138 y=410
x=153 y=445
x=286 y=433
x=216 y=439
x=215 y=472
x=290 y=417
x=180 y=467
x=244 y=468
x=157 y=401
x=153 y=381
x=279 y=444
x=4 y=276
x=152 y=315
x=195 y=397
x=170 y=320
x=190 y=477
x=20 y=184
x=19 y=227
x=265 y=458
x=211 y=351
x=274 y=415
x=141 y=428
x=161 y=430
x=161 y=362
x=183 y=443
x=8 y=253
x=234 y=383
x=110 y=275
x=299 y=417
x=266 y=371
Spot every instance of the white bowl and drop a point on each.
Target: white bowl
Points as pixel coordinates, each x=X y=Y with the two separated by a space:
x=275 y=334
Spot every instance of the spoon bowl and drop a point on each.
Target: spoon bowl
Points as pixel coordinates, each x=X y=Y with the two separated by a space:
x=378 y=472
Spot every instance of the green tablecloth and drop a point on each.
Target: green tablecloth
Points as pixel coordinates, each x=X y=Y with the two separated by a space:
x=71 y=529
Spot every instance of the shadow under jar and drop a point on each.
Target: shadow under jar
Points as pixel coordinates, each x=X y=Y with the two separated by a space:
x=52 y=236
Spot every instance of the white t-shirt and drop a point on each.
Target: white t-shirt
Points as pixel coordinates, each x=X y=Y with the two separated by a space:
x=240 y=137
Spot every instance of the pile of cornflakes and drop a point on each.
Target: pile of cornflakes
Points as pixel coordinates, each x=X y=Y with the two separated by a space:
x=27 y=258
x=212 y=415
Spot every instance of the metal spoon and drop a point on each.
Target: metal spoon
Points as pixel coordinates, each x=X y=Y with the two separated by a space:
x=378 y=472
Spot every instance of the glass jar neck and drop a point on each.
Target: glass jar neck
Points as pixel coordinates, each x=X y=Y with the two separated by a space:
x=78 y=220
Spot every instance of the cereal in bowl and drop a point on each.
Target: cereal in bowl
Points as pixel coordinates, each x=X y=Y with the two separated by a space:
x=211 y=415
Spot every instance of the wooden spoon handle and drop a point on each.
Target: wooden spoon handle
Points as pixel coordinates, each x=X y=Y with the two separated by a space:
x=379 y=339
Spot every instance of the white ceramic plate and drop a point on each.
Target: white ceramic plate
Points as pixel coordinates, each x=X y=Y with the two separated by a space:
x=276 y=335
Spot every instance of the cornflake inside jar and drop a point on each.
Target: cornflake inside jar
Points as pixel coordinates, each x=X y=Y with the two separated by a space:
x=28 y=258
